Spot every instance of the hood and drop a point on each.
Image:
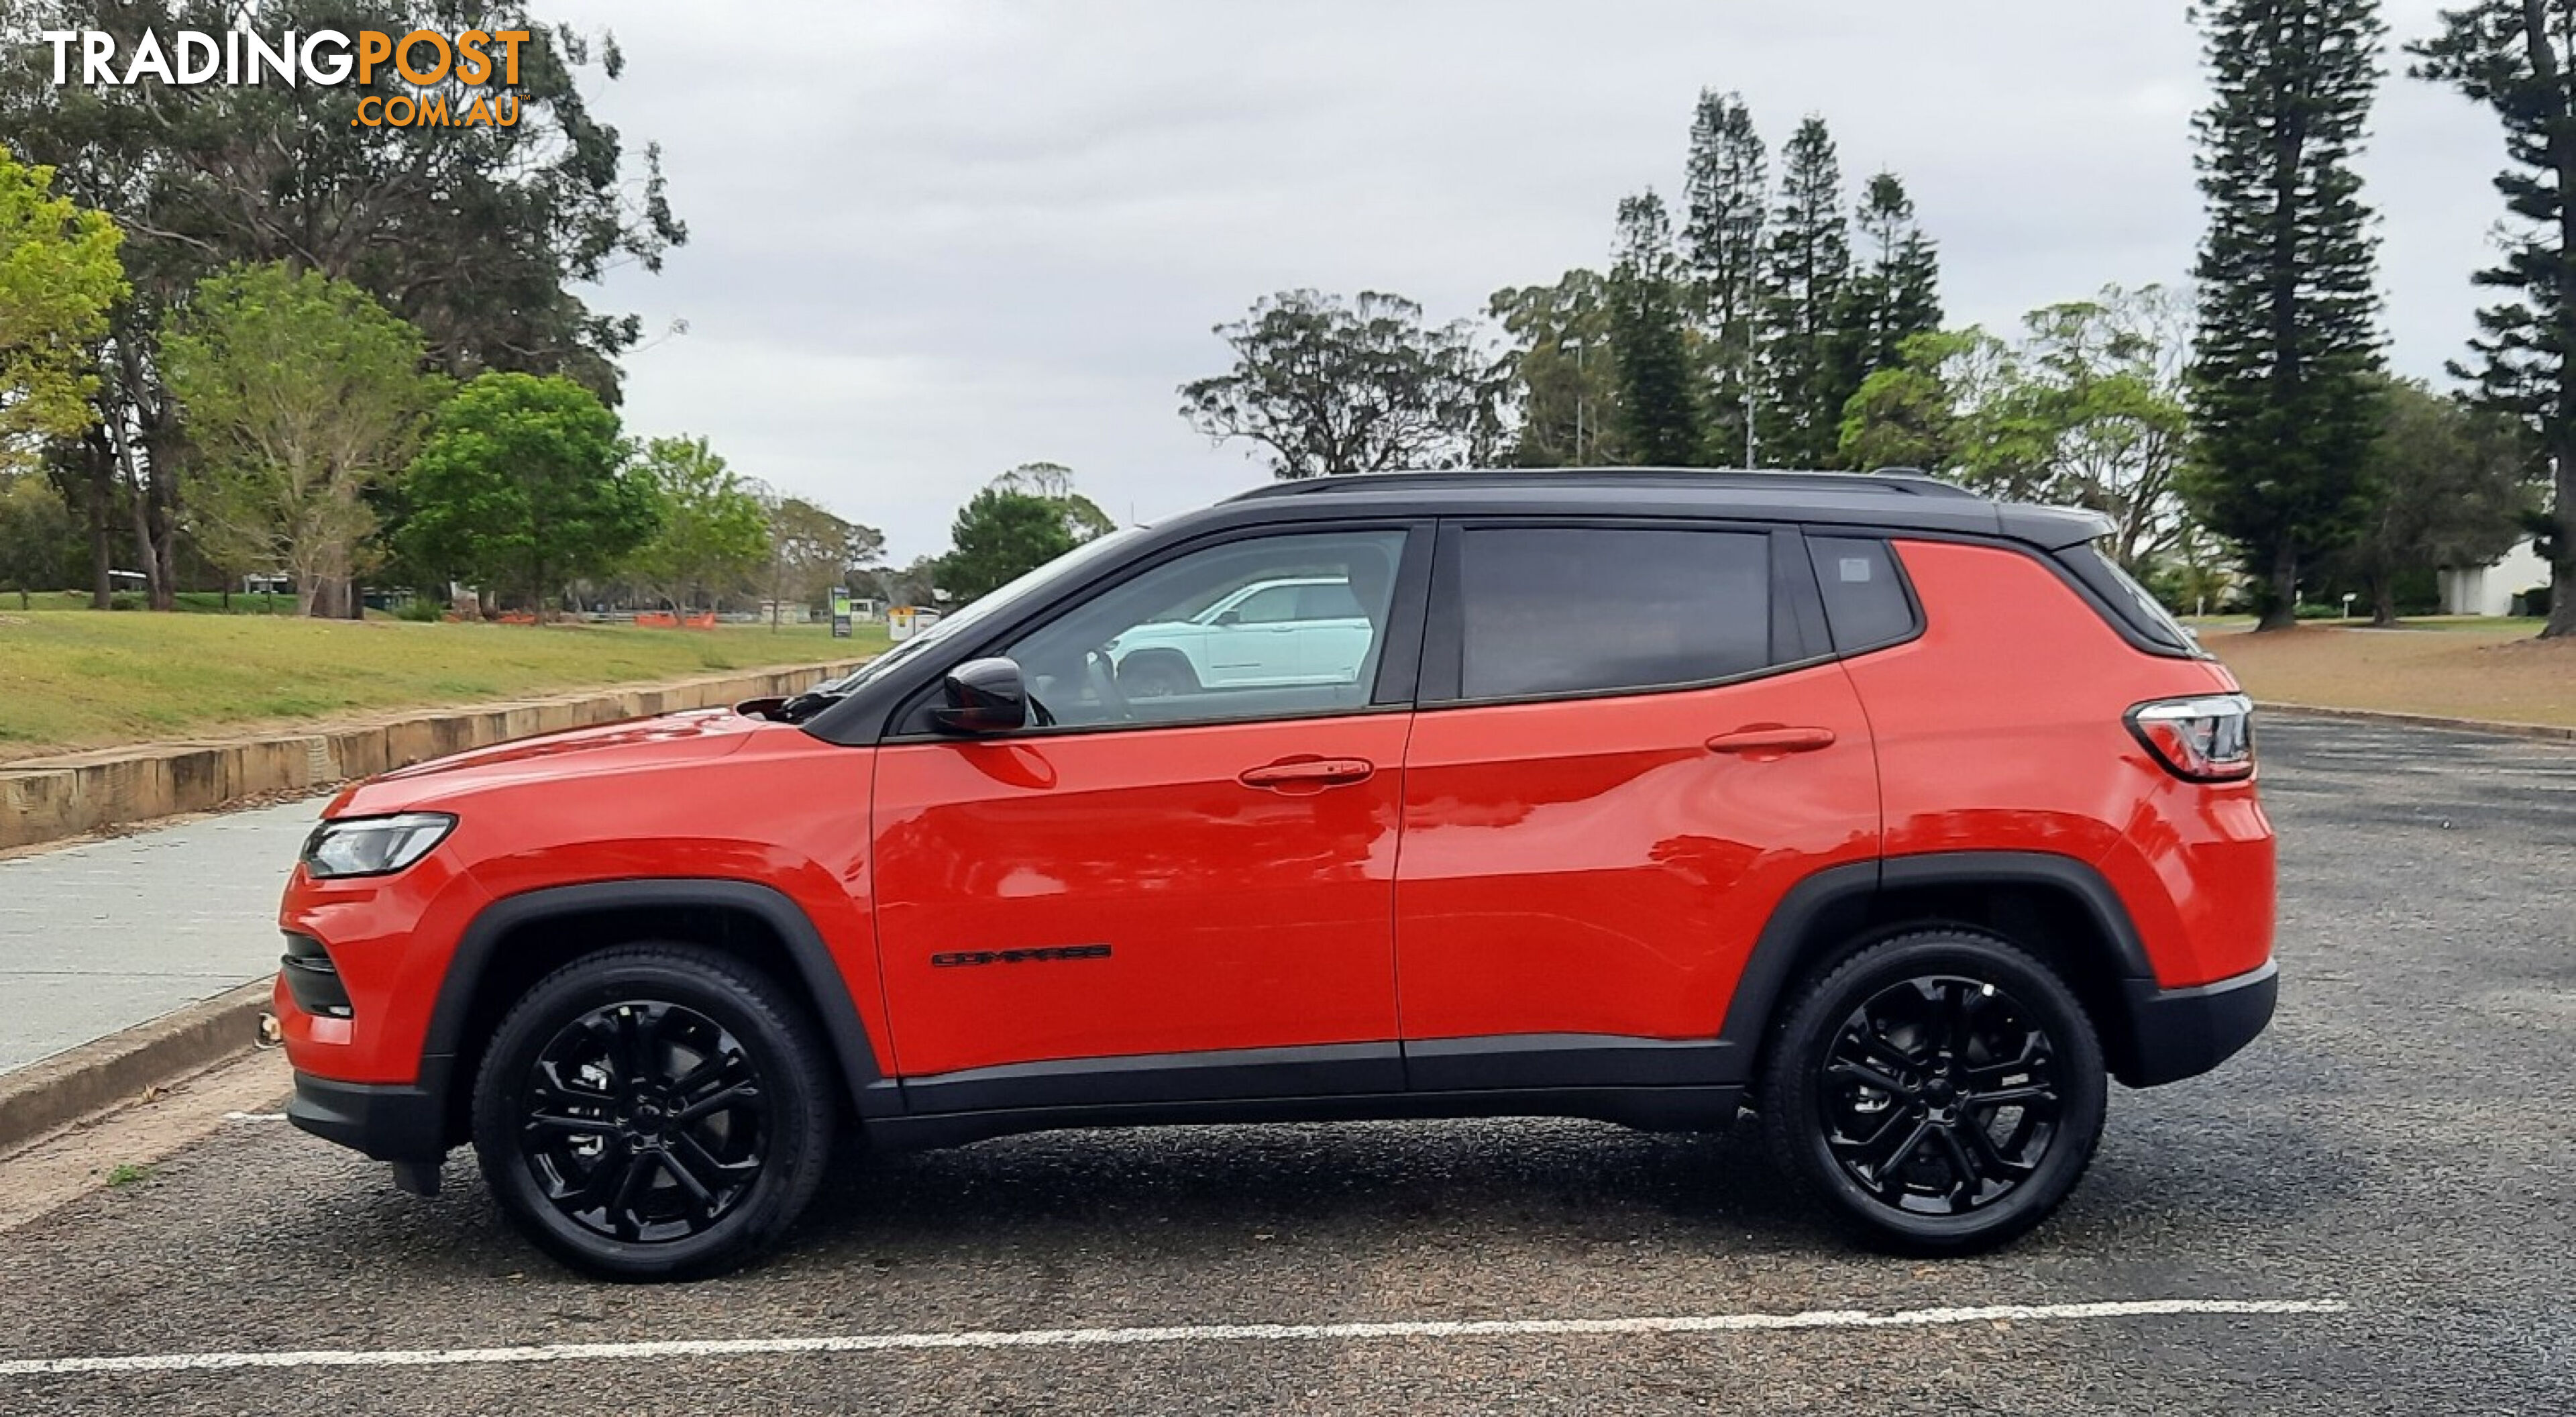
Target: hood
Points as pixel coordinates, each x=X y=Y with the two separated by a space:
x=697 y=736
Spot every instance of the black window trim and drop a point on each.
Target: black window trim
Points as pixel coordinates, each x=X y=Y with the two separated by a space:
x=1797 y=637
x=1399 y=665
x=2111 y=614
x=1814 y=558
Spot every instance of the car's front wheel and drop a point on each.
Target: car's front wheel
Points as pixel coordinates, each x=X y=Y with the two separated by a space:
x=655 y=1111
x=1156 y=674
x=1942 y=1090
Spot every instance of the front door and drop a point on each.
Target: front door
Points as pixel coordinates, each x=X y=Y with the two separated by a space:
x=1200 y=882
x=1618 y=768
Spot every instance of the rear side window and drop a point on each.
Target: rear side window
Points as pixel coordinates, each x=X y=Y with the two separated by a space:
x=1562 y=610
x=1865 y=600
x=2147 y=622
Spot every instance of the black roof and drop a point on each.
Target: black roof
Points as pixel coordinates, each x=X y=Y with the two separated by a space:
x=1897 y=499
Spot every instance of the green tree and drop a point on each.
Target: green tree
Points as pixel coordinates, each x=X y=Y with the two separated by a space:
x=302 y=395
x=714 y=530
x=2086 y=408
x=1915 y=412
x=2446 y=487
x=1330 y=388
x=480 y=236
x=522 y=483
x=2284 y=386
x=811 y=551
x=1083 y=519
x=1726 y=188
x=1658 y=401
x=1896 y=293
x=35 y=535
x=58 y=276
x=1805 y=379
x=2518 y=57
x=1564 y=377
x=2107 y=405
x=1000 y=536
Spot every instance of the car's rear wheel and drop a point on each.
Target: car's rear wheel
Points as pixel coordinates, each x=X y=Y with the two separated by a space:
x=1156 y=675
x=655 y=1111
x=1943 y=1091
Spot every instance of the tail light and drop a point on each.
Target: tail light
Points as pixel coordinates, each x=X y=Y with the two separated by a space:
x=2207 y=738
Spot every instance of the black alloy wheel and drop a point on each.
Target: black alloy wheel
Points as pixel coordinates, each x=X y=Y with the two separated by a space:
x=643 y=1121
x=1942 y=1089
x=656 y=1111
x=1938 y=1094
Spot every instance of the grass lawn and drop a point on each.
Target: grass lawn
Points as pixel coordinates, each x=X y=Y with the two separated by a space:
x=2491 y=669
x=83 y=679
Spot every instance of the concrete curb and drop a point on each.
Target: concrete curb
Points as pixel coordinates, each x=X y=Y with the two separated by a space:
x=48 y=799
x=103 y=1072
x=2546 y=732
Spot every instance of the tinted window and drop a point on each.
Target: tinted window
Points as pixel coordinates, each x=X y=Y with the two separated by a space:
x=1571 y=610
x=1865 y=600
x=1328 y=602
x=1268 y=607
x=1146 y=651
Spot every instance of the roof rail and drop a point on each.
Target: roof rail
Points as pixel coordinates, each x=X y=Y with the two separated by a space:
x=1900 y=481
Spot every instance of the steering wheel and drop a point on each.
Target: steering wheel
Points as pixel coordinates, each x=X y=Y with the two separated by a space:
x=1103 y=673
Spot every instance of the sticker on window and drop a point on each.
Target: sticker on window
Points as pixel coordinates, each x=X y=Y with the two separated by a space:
x=1855 y=570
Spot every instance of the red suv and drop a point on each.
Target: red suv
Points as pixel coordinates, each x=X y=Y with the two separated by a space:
x=1899 y=815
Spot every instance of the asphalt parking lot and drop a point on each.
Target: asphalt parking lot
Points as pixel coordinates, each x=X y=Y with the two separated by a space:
x=2372 y=1210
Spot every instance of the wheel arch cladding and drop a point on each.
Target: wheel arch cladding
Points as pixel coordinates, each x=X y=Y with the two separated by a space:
x=520 y=939
x=2057 y=908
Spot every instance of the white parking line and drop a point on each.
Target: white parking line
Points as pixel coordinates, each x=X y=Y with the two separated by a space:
x=1199 y=1333
x=254 y=1116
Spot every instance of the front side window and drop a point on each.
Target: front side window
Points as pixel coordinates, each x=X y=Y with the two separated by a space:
x=1558 y=610
x=1226 y=632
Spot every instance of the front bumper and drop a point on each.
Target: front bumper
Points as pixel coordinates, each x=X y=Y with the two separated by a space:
x=2180 y=1033
x=405 y=1123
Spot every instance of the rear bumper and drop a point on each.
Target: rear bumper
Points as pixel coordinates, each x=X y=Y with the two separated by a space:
x=2181 y=1033
x=398 y=1122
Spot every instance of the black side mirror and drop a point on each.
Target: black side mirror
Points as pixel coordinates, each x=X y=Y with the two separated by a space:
x=1229 y=617
x=984 y=696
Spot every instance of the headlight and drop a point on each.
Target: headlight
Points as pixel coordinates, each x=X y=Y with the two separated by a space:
x=373 y=846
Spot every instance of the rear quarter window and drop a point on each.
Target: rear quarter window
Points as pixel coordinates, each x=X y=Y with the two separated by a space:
x=1867 y=604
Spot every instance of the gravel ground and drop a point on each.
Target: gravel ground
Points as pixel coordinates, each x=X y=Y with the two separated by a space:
x=2401 y=1142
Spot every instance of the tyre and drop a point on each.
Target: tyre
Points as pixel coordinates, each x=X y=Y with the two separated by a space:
x=1941 y=1091
x=654 y=1111
x=1156 y=675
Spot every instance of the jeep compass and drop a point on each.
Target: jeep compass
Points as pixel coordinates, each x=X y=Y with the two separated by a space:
x=1898 y=816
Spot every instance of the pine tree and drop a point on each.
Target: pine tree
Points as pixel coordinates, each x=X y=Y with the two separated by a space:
x=1648 y=335
x=2520 y=59
x=2284 y=380
x=1806 y=263
x=1897 y=294
x=1727 y=187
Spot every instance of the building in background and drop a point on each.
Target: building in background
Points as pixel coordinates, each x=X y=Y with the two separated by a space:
x=2496 y=588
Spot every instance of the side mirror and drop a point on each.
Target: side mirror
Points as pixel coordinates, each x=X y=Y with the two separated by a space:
x=984 y=696
x=1229 y=617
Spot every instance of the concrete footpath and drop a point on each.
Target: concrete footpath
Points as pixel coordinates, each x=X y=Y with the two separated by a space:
x=108 y=934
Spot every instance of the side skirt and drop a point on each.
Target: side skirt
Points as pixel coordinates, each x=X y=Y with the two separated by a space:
x=1659 y=1109
x=1657 y=1084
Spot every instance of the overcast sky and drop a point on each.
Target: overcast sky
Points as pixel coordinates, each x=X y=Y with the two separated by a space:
x=930 y=239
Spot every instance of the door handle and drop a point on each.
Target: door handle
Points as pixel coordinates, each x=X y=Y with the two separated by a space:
x=1772 y=741
x=1308 y=774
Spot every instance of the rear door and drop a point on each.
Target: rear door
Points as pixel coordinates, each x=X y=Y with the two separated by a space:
x=1631 y=742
